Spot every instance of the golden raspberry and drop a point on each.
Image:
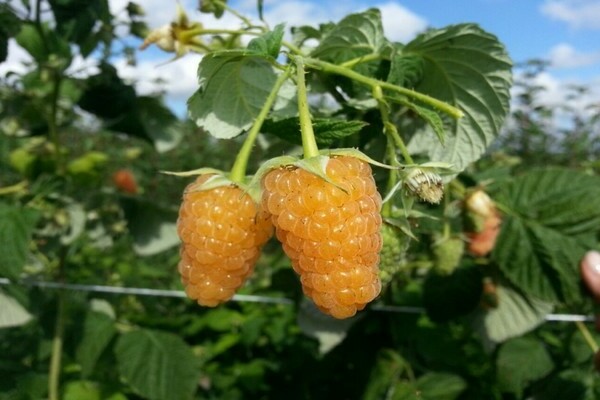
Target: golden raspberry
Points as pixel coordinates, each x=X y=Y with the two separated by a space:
x=331 y=232
x=222 y=230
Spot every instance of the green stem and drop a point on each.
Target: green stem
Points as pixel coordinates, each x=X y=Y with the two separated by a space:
x=386 y=209
x=372 y=82
x=244 y=19
x=293 y=48
x=238 y=171
x=359 y=60
x=52 y=121
x=203 y=31
x=309 y=143
x=388 y=127
x=587 y=336
x=57 y=345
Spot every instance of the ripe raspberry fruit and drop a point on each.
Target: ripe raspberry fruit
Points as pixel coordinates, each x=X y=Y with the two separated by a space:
x=483 y=242
x=329 y=230
x=222 y=230
x=124 y=180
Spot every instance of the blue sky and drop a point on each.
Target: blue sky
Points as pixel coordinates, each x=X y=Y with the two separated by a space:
x=565 y=32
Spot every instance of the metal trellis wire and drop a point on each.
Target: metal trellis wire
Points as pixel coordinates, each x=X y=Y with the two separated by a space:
x=118 y=290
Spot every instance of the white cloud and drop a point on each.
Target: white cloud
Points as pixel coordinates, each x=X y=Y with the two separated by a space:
x=17 y=56
x=399 y=23
x=558 y=94
x=564 y=55
x=578 y=14
x=151 y=76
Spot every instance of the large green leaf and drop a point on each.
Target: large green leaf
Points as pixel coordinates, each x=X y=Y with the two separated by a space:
x=157 y=365
x=153 y=227
x=354 y=36
x=98 y=330
x=514 y=316
x=469 y=68
x=521 y=361
x=16 y=226
x=233 y=90
x=269 y=43
x=327 y=131
x=13 y=313
x=550 y=224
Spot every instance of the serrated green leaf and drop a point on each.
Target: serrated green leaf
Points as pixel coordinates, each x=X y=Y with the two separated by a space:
x=269 y=43
x=521 y=361
x=548 y=229
x=13 y=313
x=354 y=36
x=405 y=69
x=327 y=131
x=16 y=227
x=470 y=69
x=440 y=386
x=98 y=330
x=157 y=365
x=514 y=316
x=153 y=227
x=233 y=90
x=430 y=116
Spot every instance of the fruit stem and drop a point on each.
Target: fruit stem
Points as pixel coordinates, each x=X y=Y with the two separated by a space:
x=372 y=82
x=309 y=143
x=587 y=336
x=238 y=171
x=388 y=127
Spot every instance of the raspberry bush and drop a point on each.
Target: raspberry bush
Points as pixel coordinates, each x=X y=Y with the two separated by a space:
x=336 y=206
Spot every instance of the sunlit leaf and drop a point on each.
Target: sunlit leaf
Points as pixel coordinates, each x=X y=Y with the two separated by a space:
x=233 y=90
x=470 y=69
x=13 y=313
x=514 y=316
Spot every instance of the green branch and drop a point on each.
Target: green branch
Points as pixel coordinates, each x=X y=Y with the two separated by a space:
x=362 y=59
x=309 y=143
x=372 y=82
x=238 y=171
x=388 y=127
